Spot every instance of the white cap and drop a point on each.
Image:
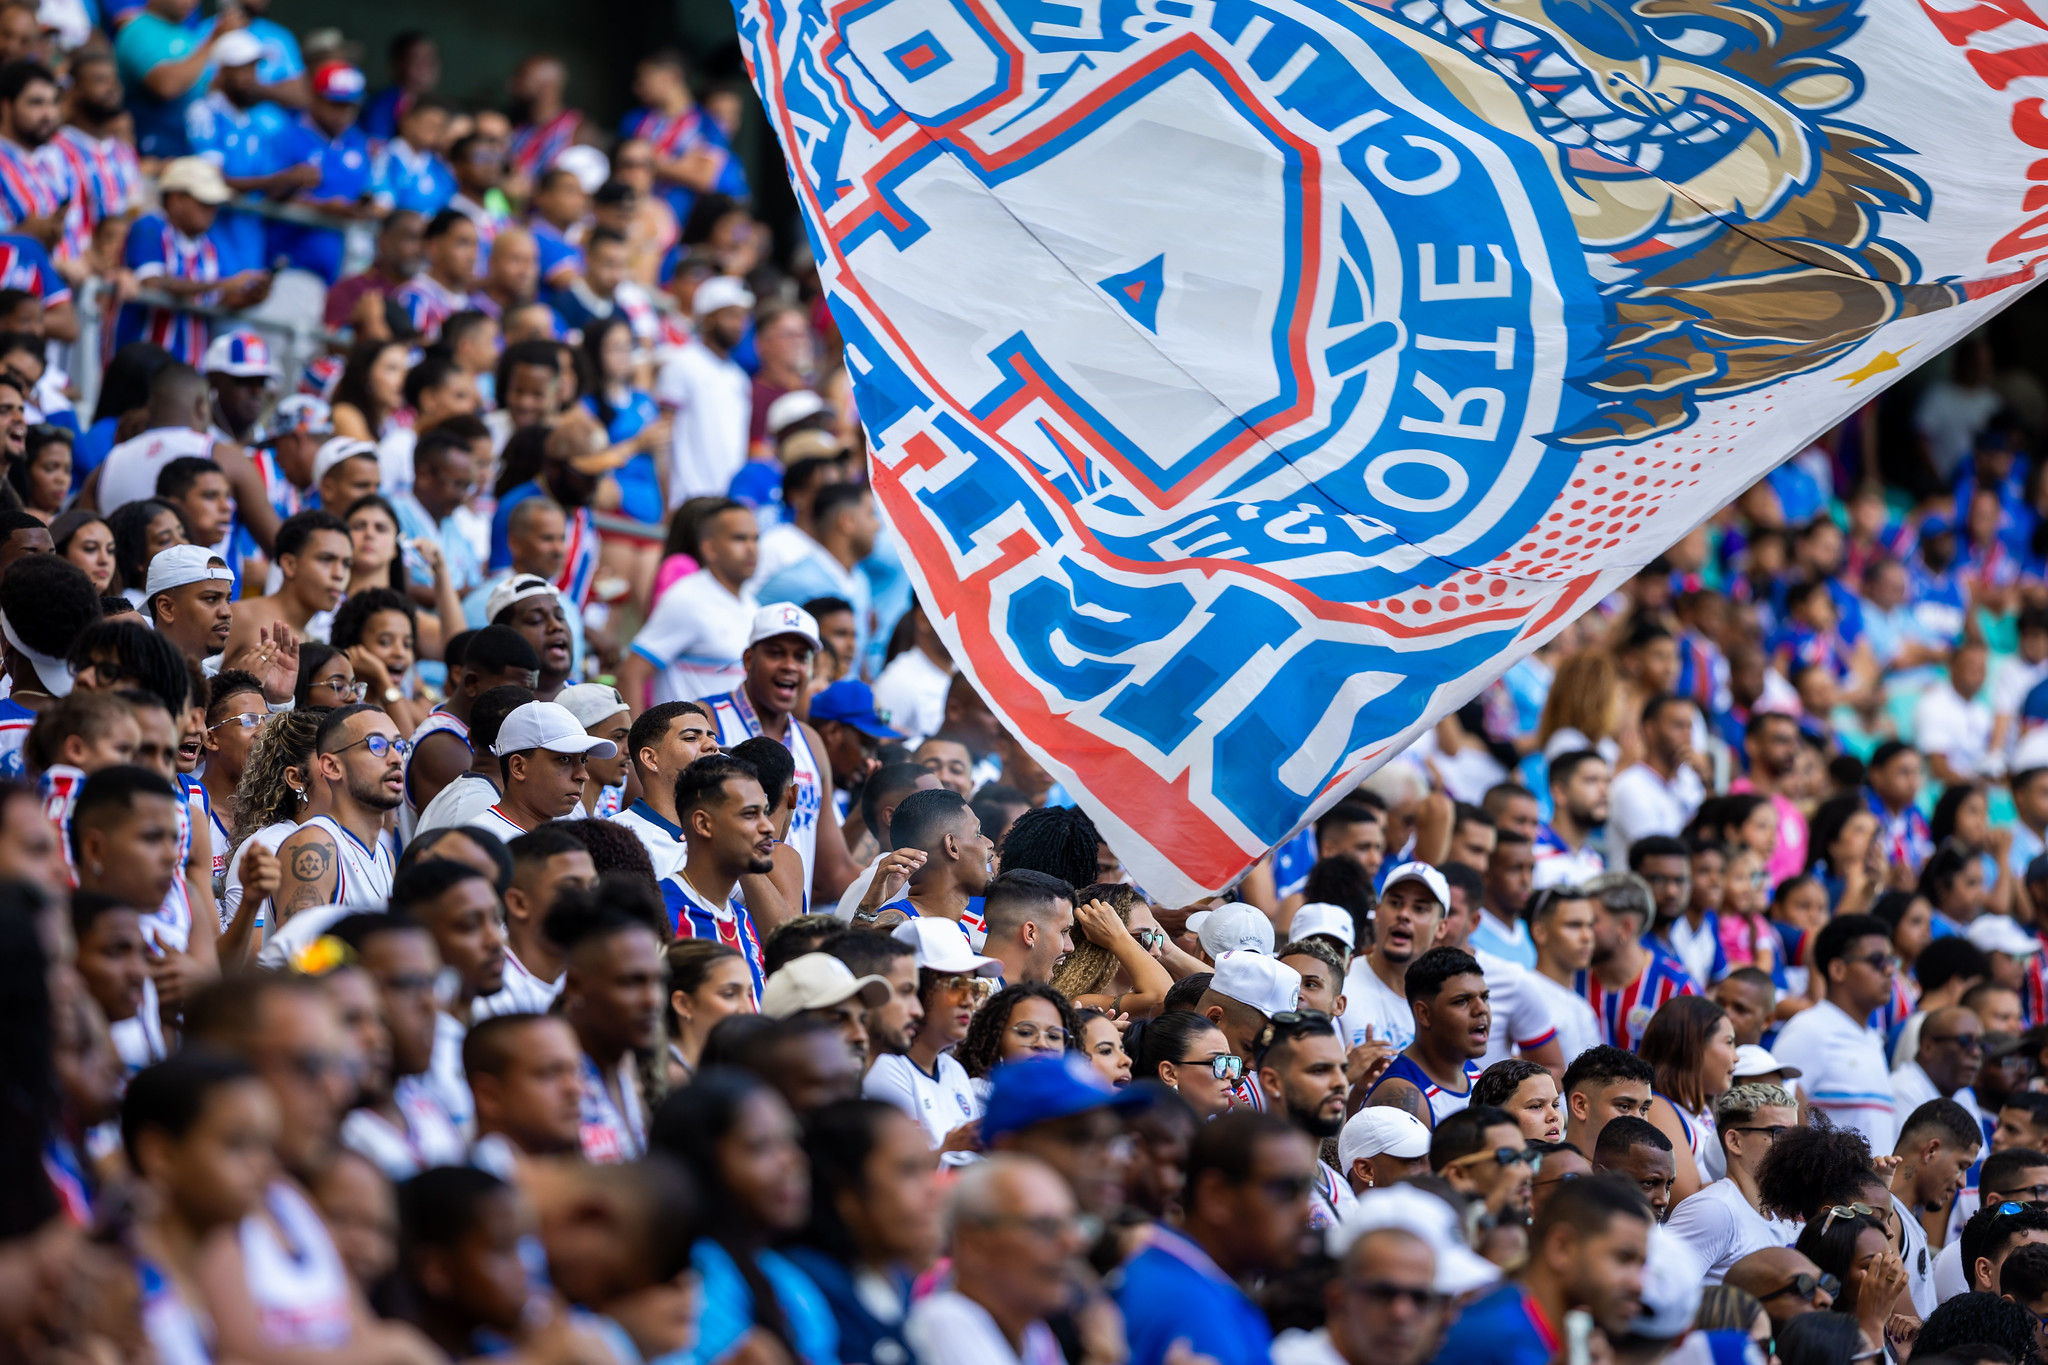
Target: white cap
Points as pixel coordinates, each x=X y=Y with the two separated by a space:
x=514 y=590
x=176 y=565
x=1752 y=1060
x=783 y=618
x=720 y=291
x=816 y=981
x=791 y=408
x=1673 y=1276
x=196 y=176
x=333 y=452
x=591 y=702
x=1459 y=1270
x=942 y=947
x=1258 y=980
x=590 y=166
x=1420 y=872
x=242 y=354
x=238 y=47
x=547 y=725
x=1321 y=917
x=2030 y=753
x=1379 y=1130
x=1997 y=934
x=1230 y=927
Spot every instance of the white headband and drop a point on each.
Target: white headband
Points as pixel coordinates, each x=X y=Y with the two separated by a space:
x=55 y=673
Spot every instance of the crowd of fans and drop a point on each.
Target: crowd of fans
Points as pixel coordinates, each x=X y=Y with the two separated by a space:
x=443 y=923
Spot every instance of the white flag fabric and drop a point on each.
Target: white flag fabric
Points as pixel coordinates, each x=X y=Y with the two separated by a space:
x=1251 y=382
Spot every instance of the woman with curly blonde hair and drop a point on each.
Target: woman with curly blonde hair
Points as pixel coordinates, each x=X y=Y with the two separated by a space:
x=1115 y=964
x=1582 y=710
x=275 y=797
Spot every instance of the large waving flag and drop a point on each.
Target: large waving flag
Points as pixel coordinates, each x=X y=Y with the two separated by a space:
x=1252 y=381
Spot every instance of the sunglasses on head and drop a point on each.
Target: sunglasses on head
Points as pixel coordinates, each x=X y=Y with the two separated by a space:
x=1504 y=1156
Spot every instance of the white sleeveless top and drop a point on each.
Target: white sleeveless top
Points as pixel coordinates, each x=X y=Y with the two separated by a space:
x=363 y=876
x=737 y=723
x=130 y=469
x=270 y=836
x=296 y=1278
x=436 y=723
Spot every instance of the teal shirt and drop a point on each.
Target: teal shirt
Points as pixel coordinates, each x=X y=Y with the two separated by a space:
x=148 y=41
x=729 y=1308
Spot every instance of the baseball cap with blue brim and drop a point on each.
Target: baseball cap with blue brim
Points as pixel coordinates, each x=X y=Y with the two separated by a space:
x=1029 y=1092
x=852 y=703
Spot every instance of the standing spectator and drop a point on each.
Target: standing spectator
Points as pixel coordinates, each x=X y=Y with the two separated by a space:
x=709 y=394
x=340 y=857
x=511 y=280
x=164 y=64
x=1561 y=922
x=541 y=751
x=103 y=165
x=176 y=250
x=415 y=63
x=442 y=290
x=629 y=415
x=1892 y=789
x=408 y=172
x=479 y=164
x=847 y=532
x=1579 y=806
x=249 y=140
x=693 y=640
x=729 y=834
x=1840 y=1056
x=788 y=351
x=1246 y=1201
x=543 y=126
x=326 y=137
x=558 y=206
x=1660 y=794
x=281 y=71
x=1432 y=1077
x=401 y=250
x=1406 y=923
x=604 y=290
x=1628 y=979
x=692 y=155
x=36 y=188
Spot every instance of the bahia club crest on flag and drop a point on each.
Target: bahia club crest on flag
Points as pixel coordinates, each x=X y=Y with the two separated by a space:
x=1251 y=382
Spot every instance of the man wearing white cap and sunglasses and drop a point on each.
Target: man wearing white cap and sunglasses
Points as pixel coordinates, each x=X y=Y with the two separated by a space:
x=541 y=750
x=709 y=394
x=952 y=979
x=777 y=661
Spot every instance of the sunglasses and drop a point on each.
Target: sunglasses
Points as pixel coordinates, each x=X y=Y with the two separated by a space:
x=1965 y=1042
x=1803 y=1285
x=1882 y=962
x=1504 y=1156
x=977 y=987
x=1854 y=1211
x=1224 y=1066
x=379 y=745
x=1148 y=939
x=2035 y=1196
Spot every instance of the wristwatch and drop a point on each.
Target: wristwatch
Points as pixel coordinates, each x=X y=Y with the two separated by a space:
x=393 y=694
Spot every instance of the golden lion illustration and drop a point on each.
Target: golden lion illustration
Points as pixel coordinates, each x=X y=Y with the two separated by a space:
x=1730 y=210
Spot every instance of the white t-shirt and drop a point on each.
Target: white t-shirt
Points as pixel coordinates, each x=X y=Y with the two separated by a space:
x=1695 y=948
x=1959 y=729
x=695 y=635
x=130 y=470
x=1368 y=1001
x=2009 y=689
x=1722 y=1228
x=948 y=1328
x=1521 y=1016
x=1578 y=1028
x=1641 y=803
x=665 y=850
x=458 y=803
x=1919 y=1260
x=1845 y=1072
x=940 y=1103
x=1950 y=1279
x=713 y=403
x=912 y=691
x=445 y=1080
x=1563 y=867
x=522 y=993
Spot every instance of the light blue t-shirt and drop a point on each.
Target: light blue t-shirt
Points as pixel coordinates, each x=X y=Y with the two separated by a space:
x=280 y=60
x=728 y=1312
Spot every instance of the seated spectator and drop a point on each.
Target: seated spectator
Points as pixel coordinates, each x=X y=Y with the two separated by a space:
x=692 y=155
x=177 y=250
x=401 y=252
x=415 y=64
x=557 y=209
x=478 y=163
x=442 y=289
x=164 y=65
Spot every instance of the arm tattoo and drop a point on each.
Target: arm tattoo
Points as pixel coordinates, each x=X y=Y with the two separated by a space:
x=1402 y=1095
x=311 y=866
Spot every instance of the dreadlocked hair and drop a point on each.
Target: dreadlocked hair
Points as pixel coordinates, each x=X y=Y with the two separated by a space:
x=981 y=1050
x=1809 y=1167
x=264 y=796
x=1090 y=968
x=1058 y=840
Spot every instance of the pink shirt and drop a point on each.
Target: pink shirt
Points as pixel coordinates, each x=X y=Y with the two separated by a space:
x=1790 y=858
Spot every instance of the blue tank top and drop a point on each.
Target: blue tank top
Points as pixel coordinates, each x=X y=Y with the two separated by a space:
x=1442 y=1103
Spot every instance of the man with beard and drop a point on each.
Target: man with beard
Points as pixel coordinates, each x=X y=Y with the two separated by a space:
x=572 y=460
x=541 y=750
x=1481 y=1151
x=893 y=1023
x=35 y=190
x=941 y=851
x=529 y=603
x=1587 y=1251
x=103 y=166
x=777 y=664
x=710 y=396
x=340 y=858
x=1301 y=1071
x=525 y=1071
x=250 y=139
x=1565 y=853
x=1627 y=979
x=612 y=996
x=730 y=834
x=1405 y=925
x=1681 y=924
x=1432 y=1078
x=327 y=137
